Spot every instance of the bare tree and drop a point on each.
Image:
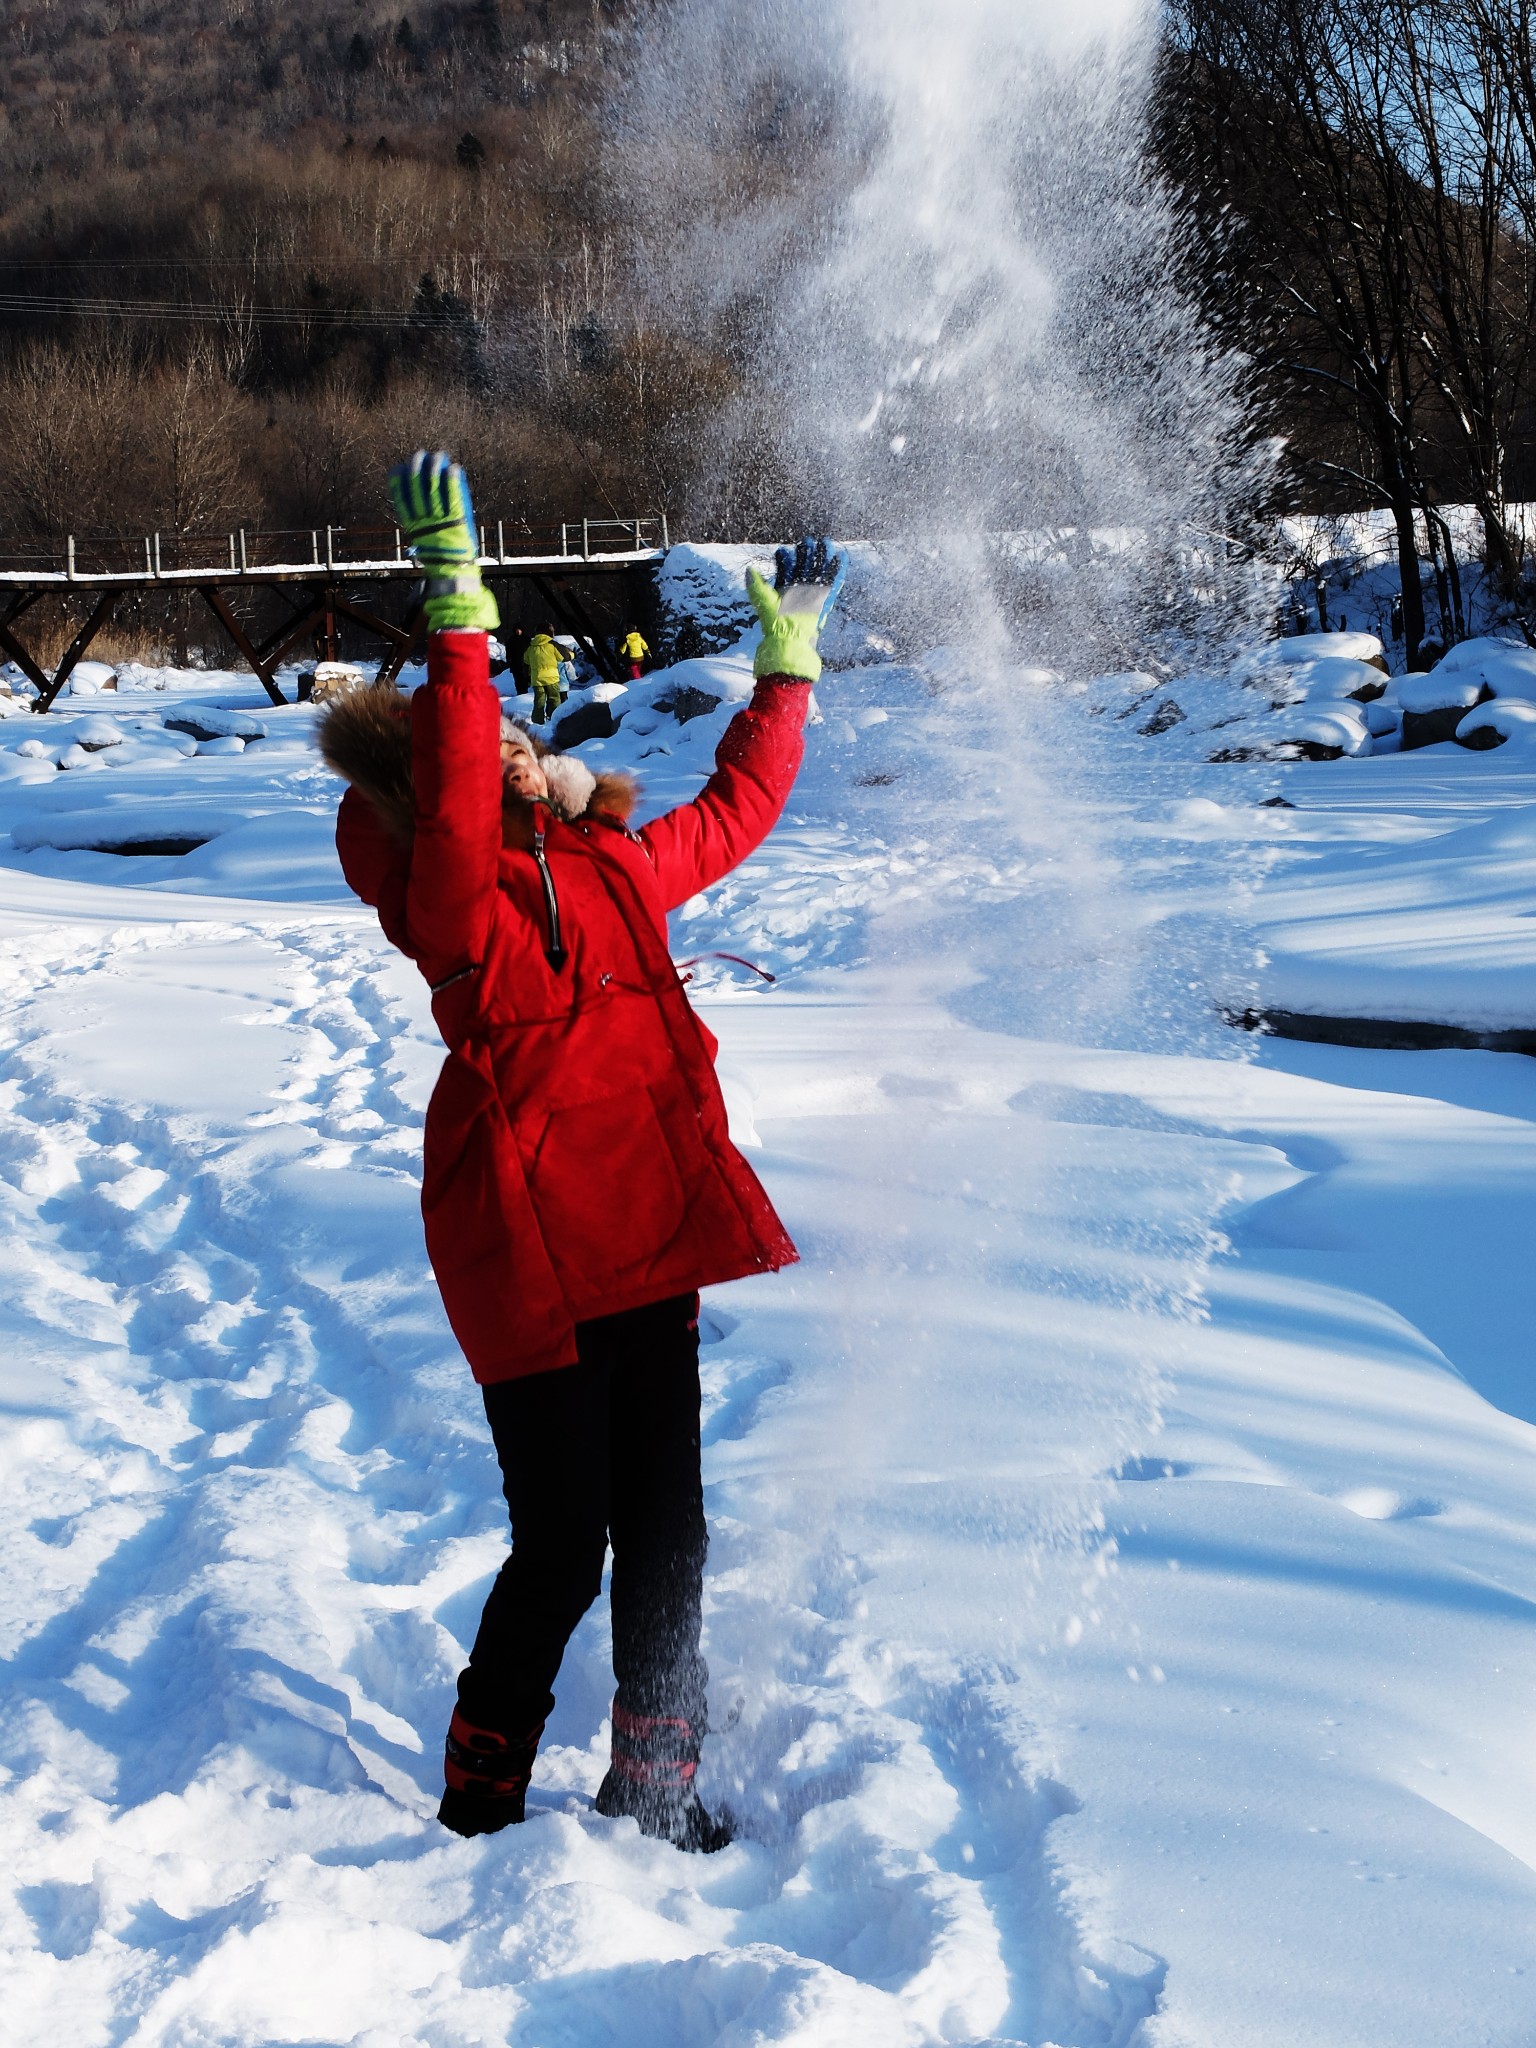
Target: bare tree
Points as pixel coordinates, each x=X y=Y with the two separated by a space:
x=1448 y=120
x=190 y=451
x=1370 y=163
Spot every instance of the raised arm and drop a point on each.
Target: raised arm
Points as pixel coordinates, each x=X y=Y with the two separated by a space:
x=760 y=755
x=456 y=770
x=455 y=726
x=756 y=765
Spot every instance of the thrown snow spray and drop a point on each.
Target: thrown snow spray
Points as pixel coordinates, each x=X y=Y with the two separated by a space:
x=922 y=254
x=924 y=247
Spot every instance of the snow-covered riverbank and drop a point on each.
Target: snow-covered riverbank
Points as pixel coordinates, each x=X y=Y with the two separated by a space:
x=1124 y=1551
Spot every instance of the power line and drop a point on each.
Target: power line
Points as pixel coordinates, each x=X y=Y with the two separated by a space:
x=523 y=259
x=234 y=314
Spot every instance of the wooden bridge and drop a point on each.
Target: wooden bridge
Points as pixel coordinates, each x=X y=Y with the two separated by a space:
x=591 y=577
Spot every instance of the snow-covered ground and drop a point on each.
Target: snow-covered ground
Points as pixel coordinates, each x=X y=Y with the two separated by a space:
x=1123 y=1566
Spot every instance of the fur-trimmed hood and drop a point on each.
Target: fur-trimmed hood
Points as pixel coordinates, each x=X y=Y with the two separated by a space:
x=366 y=738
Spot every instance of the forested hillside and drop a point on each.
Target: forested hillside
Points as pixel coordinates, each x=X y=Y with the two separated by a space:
x=249 y=250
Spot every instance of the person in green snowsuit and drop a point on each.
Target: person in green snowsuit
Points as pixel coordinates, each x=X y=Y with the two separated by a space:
x=543 y=661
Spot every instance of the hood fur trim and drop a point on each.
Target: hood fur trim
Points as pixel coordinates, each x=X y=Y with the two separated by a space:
x=366 y=738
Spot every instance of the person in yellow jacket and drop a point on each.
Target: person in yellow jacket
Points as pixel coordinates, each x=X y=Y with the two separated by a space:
x=543 y=661
x=635 y=652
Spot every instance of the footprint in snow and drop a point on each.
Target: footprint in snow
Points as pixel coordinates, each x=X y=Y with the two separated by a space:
x=1381 y=1504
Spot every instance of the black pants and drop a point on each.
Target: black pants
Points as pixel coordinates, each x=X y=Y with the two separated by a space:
x=606 y=1450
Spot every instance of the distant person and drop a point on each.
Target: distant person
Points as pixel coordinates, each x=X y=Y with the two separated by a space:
x=635 y=652
x=579 y=1184
x=545 y=679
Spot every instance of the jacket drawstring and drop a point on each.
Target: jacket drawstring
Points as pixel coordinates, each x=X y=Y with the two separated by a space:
x=554 y=952
x=735 y=959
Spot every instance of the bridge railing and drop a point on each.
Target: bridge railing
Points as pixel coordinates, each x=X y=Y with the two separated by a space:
x=153 y=557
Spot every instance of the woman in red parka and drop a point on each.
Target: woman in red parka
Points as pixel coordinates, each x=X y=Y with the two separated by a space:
x=579 y=1182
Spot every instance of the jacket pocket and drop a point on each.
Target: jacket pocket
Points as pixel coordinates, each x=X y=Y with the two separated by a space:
x=606 y=1189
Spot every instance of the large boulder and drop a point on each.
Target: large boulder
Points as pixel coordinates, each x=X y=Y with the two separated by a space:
x=593 y=720
x=1434 y=705
x=686 y=702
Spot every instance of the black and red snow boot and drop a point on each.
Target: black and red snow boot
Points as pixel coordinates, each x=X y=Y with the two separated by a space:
x=487 y=1772
x=650 y=1778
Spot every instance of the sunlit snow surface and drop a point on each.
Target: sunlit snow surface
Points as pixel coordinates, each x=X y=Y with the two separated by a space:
x=1118 y=1635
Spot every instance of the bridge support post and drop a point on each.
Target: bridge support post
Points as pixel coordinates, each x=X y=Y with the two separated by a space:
x=106 y=604
x=10 y=645
x=232 y=626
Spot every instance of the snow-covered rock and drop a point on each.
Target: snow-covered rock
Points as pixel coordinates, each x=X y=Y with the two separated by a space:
x=1506 y=667
x=76 y=756
x=1339 y=729
x=116 y=824
x=1334 y=679
x=1382 y=718
x=96 y=733
x=90 y=678
x=1442 y=689
x=702 y=597
x=139 y=675
x=213 y=722
x=1303 y=648
x=1493 y=724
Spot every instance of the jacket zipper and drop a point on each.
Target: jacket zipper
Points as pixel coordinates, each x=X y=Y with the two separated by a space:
x=554 y=952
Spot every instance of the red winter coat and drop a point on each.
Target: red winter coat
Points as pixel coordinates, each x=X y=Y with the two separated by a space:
x=577 y=1159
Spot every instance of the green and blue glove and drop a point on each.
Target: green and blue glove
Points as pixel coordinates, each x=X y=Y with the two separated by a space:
x=432 y=508
x=794 y=609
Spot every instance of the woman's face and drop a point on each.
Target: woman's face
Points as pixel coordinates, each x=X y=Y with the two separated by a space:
x=520 y=772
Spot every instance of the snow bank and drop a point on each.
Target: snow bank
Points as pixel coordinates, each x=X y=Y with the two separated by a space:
x=120 y=825
x=701 y=594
